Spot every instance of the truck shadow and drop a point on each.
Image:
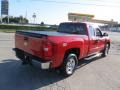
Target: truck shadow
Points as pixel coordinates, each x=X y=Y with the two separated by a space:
x=14 y=76
x=89 y=60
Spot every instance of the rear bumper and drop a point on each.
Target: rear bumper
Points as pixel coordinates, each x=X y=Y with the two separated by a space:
x=36 y=61
x=42 y=65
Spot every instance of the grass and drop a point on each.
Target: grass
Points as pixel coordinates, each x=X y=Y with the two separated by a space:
x=12 y=28
x=8 y=30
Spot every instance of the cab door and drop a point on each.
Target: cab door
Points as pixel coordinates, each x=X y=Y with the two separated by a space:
x=100 y=40
x=92 y=41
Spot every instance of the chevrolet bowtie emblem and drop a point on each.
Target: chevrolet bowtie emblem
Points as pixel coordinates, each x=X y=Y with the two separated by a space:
x=25 y=43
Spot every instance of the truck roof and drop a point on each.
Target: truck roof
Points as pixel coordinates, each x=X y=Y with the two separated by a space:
x=85 y=23
x=75 y=22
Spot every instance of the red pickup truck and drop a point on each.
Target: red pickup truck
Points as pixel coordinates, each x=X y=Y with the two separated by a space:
x=63 y=48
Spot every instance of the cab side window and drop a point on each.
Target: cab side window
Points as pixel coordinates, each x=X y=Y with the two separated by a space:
x=98 y=32
x=91 y=31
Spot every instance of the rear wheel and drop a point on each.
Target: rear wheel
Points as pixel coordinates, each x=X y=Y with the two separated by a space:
x=69 y=65
x=106 y=50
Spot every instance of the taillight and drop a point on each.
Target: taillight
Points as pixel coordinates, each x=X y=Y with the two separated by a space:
x=47 y=49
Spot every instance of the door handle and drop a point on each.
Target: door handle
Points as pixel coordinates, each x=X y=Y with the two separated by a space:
x=97 y=40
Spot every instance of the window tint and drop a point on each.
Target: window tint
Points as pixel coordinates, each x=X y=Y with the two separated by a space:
x=81 y=29
x=73 y=28
x=92 y=31
x=66 y=28
x=98 y=32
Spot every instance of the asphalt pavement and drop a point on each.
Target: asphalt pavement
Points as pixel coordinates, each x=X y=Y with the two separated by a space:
x=94 y=74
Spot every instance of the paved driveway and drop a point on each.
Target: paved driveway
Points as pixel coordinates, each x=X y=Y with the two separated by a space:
x=93 y=74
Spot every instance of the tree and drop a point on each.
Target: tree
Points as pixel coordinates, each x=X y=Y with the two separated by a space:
x=18 y=20
x=42 y=23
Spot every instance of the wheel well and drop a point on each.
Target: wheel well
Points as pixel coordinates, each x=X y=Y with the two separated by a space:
x=73 y=51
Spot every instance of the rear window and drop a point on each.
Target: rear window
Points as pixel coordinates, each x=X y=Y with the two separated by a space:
x=72 y=28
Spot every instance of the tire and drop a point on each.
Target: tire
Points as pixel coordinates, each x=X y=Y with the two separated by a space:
x=106 y=50
x=69 y=65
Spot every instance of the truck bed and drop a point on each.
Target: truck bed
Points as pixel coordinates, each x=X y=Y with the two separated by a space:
x=42 y=33
x=30 y=41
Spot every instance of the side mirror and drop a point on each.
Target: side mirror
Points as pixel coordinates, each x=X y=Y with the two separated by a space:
x=105 y=34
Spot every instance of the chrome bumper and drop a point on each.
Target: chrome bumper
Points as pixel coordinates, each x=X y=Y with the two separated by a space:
x=42 y=65
x=35 y=61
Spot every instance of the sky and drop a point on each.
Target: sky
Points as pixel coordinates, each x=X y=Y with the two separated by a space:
x=56 y=11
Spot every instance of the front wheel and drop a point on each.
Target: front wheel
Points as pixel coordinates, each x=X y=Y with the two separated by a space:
x=106 y=50
x=69 y=65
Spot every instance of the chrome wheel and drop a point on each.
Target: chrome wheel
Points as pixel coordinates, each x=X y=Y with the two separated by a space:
x=70 y=66
x=106 y=49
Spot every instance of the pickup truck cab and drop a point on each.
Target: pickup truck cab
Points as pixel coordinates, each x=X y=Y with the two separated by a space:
x=63 y=48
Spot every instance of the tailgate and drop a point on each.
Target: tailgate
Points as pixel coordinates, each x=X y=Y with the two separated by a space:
x=31 y=43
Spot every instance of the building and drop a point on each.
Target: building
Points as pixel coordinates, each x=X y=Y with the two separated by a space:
x=80 y=17
x=106 y=25
x=4 y=9
x=113 y=27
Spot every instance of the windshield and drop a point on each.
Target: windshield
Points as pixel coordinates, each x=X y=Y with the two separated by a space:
x=72 y=28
